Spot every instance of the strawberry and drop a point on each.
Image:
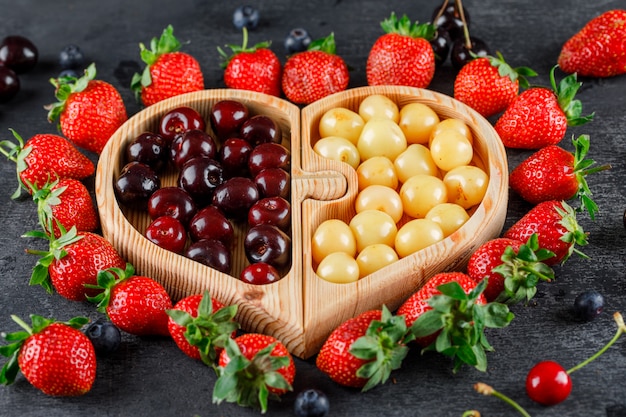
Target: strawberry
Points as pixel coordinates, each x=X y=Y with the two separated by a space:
x=135 y=304
x=540 y=116
x=168 y=71
x=252 y=367
x=66 y=202
x=44 y=158
x=199 y=324
x=54 y=357
x=403 y=55
x=72 y=261
x=599 y=48
x=363 y=350
x=315 y=73
x=513 y=268
x=556 y=227
x=255 y=69
x=449 y=314
x=89 y=111
x=489 y=84
x=552 y=173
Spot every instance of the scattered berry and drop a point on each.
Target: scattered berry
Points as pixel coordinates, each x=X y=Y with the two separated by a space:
x=588 y=305
x=71 y=57
x=246 y=17
x=311 y=403
x=18 y=53
x=9 y=84
x=105 y=336
x=297 y=40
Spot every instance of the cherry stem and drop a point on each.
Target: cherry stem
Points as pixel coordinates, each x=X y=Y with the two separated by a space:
x=466 y=35
x=441 y=10
x=621 y=328
x=485 y=389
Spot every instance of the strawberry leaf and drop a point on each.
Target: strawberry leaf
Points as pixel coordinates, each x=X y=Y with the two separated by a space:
x=574 y=235
x=461 y=327
x=405 y=27
x=565 y=92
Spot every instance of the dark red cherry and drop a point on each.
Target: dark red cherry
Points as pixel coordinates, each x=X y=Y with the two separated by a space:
x=210 y=223
x=148 y=148
x=172 y=201
x=235 y=196
x=168 y=233
x=269 y=244
x=450 y=19
x=234 y=155
x=177 y=121
x=135 y=184
x=9 y=84
x=273 y=182
x=441 y=44
x=226 y=118
x=260 y=129
x=18 y=53
x=548 y=383
x=200 y=177
x=271 y=210
x=259 y=273
x=269 y=155
x=211 y=253
x=460 y=54
x=194 y=143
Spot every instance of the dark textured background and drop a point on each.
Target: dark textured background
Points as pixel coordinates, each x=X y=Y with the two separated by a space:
x=150 y=377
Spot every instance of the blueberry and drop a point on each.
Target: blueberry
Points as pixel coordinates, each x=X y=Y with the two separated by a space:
x=588 y=305
x=246 y=16
x=311 y=403
x=297 y=40
x=71 y=57
x=104 y=336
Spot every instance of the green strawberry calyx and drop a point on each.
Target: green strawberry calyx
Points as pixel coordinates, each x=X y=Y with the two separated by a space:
x=461 y=321
x=574 y=234
x=247 y=382
x=65 y=87
x=17 y=339
x=582 y=168
x=208 y=329
x=16 y=153
x=405 y=27
x=523 y=270
x=519 y=74
x=56 y=250
x=239 y=49
x=326 y=44
x=384 y=347
x=106 y=280
x=46 y=198
x=565 y=92
x=164 y=44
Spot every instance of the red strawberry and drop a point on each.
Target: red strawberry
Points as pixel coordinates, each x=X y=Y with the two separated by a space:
x=254 y=69
x=489 y=84
x=315 y=73
x=168 y=71
x=363 y=351
x=89 y=110
x=67 y=202
x=403 y=55
x=443 y=316
x=73 y=261
x=599 y=48
x=44 y=158
x=513 y=268
x=552 y=173
x=540 y=116
x=54 y=357
x=135 y=304
x=252 y=367
x=199 y=325
x=556 y=227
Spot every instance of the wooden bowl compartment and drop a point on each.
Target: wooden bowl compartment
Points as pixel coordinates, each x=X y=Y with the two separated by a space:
x=301 y=309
